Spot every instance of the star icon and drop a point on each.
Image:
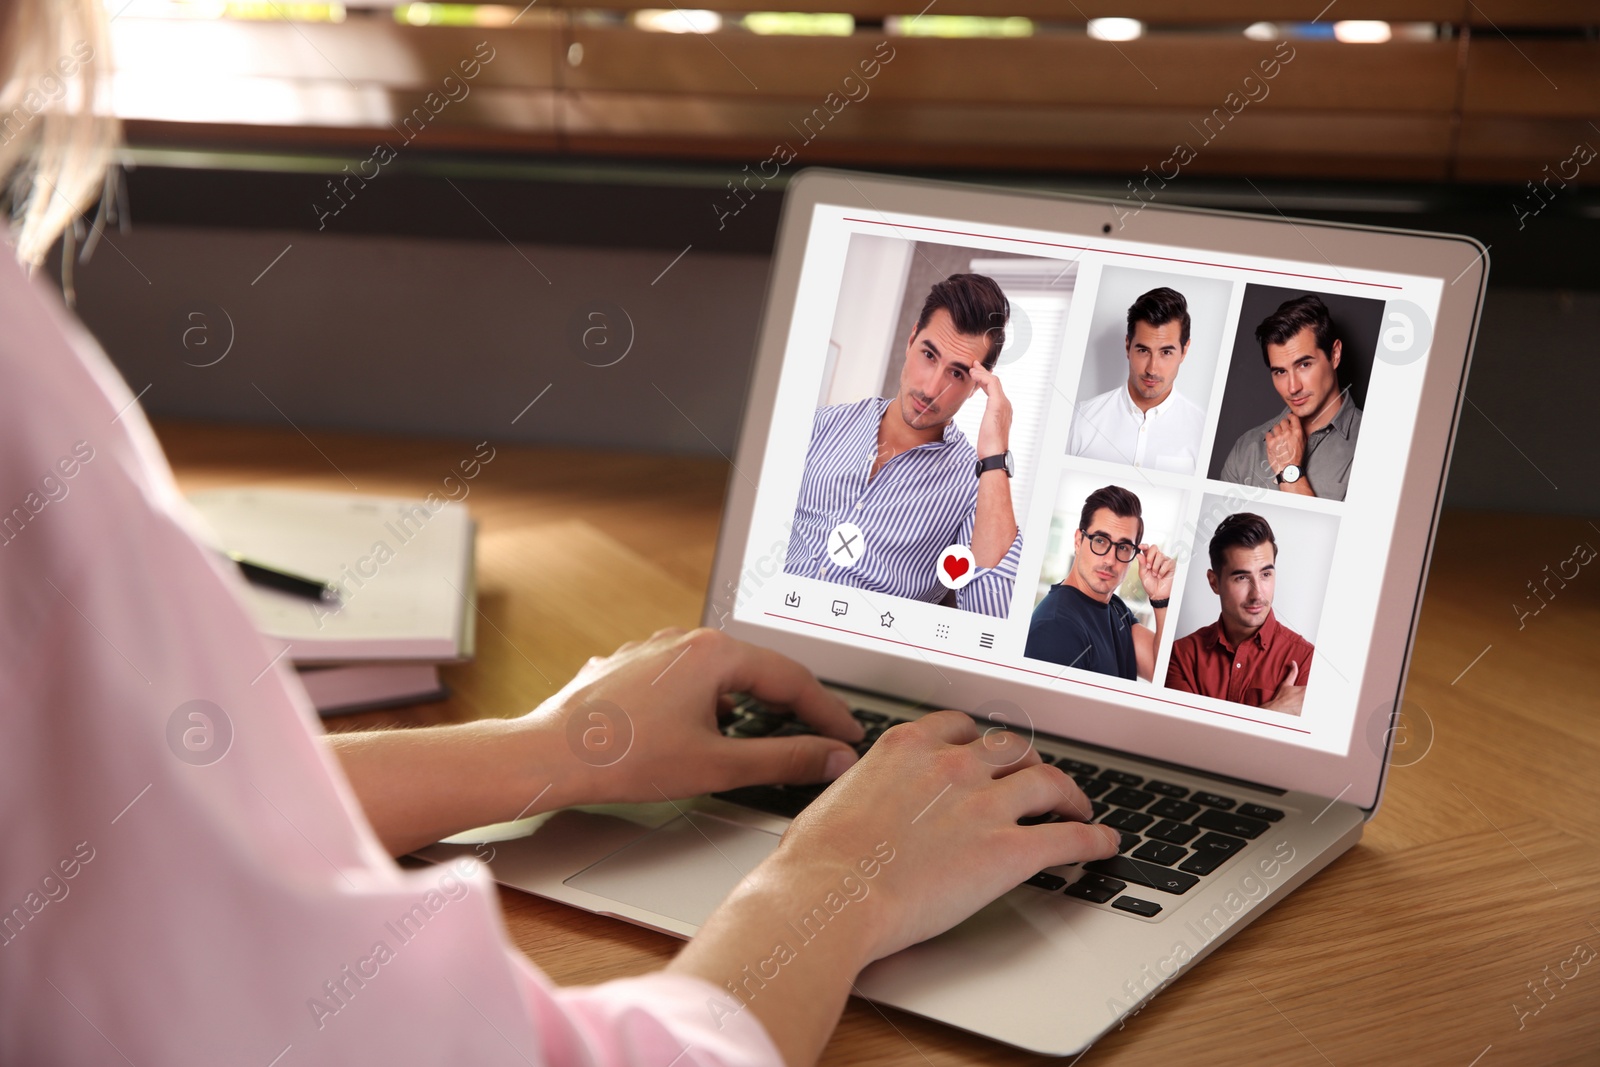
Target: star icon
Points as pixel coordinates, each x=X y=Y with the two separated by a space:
x=886 y=619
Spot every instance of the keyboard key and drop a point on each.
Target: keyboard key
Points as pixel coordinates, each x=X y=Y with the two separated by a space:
x=1158 y=852
x=1180 y=810
x=1139 y=872
x=1166 y=789
x=1256 y=811
x=868 y=739
x=1128 y=798
x=1121 y=777
x=1128 y=841
x=1099 y=809
x=1035 y=820
x=870 y=717
x=1220 y=843
x=1131 y=821
x=1077 y=767
x=1227 y=823
x=1092 y=787
x=756 y=725
x=1203 y=863
x=1176 y=833
x=1045 y=757
x=1211 y=852
x=1096 y=889
x=1043 y=880
x=1211 y=800
x=1138 y=907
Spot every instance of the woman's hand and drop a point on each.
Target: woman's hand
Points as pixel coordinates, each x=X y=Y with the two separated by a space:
x=638 y=725
x=945 y=800
x=641 y=724
x=919 y=835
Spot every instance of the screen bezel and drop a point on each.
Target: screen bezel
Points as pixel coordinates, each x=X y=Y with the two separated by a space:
x=1357 y=776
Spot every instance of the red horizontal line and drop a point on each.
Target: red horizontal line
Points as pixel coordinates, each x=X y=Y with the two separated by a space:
x=1042 y=674
x=1114 y=252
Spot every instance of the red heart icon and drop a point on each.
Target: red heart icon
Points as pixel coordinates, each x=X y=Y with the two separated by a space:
x=955 y=566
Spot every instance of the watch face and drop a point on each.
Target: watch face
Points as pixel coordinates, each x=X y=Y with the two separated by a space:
x=1291 y=473
x=1011 y=464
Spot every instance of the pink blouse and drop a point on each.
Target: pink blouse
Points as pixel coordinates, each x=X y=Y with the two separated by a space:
x=185 y=874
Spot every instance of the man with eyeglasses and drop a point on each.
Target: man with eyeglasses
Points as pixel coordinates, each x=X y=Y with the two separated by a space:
x=1082 y=622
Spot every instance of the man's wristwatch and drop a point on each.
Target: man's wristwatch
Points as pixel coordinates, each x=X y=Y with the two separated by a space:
x=1001 y=462
x=1291 y=473
x=1163 y=602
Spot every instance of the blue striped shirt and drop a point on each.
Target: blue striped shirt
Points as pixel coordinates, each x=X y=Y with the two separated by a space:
x=923 y=501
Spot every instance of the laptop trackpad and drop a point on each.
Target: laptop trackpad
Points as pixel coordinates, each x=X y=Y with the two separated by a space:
x=682 y=870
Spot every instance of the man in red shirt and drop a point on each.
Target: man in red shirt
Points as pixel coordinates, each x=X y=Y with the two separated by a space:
x=1247 y=656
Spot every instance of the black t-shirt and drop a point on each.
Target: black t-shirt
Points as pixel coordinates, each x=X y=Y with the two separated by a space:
x=1074 y=629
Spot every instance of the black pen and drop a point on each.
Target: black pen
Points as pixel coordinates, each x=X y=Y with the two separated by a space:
x=283 y=581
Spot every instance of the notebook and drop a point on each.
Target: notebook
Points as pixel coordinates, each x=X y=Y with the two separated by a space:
x=403 y=569
x=342 y=690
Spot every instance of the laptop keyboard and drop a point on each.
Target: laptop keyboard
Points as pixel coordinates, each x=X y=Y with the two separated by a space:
x=1172 y=837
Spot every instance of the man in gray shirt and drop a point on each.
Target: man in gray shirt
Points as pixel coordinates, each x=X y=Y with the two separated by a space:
x=1308 y=449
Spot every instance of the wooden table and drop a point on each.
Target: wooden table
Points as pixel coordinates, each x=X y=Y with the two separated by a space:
x=1480 y=876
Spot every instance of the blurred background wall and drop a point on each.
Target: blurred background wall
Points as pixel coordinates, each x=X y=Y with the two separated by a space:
x=423 y=218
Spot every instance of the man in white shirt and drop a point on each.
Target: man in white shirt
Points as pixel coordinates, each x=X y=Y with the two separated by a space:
x=1146 y=422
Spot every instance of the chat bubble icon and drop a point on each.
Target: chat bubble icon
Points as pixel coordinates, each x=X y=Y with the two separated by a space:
x=840 y=607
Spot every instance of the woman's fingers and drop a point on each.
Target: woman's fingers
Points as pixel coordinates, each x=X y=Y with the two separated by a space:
x=1041 y=788
x=738 y=667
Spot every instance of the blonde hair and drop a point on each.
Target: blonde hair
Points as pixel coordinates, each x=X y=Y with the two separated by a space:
x=57 y=132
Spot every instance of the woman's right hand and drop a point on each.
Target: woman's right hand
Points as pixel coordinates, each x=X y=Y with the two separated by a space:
x=931 y=812
x=911 y=840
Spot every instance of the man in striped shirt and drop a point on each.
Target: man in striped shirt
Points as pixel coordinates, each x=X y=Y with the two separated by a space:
x=890 y=482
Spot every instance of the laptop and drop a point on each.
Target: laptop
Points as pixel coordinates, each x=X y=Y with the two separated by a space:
x=1240 y=741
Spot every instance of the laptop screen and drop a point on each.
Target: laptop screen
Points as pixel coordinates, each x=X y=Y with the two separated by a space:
x=1162 y=476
